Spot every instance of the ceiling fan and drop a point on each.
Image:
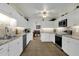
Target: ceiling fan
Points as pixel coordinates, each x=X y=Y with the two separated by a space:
x=44 y=13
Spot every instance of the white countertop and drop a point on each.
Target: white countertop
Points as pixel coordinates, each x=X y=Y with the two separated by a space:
x=4 y=41
x=73 y=37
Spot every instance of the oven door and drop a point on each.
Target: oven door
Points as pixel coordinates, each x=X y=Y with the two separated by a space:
x=58 y=40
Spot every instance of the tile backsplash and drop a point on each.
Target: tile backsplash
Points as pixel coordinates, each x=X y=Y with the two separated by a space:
x=75 y=30
x=60 y=29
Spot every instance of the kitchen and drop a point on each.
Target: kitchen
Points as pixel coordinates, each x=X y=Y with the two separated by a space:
x=60 y=28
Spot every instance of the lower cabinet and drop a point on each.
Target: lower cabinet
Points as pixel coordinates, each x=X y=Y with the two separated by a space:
x=48 y=37
x=45 y=37
x=70 y=46
x=4 y=50
x=65 y=45
x=13 y=48
x=52 y=37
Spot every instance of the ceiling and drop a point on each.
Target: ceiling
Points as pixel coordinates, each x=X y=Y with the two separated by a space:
x=31 y=10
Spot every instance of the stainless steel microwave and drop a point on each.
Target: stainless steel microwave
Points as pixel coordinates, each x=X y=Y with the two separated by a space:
x=63 y=23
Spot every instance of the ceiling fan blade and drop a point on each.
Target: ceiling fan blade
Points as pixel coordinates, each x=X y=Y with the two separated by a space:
x=37 y=13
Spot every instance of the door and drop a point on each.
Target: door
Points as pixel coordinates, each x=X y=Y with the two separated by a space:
x=36 y=34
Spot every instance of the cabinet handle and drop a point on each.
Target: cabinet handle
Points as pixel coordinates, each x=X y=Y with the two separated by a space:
x=1 y=48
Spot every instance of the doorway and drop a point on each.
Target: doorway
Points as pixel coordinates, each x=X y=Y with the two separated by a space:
x=36 y=34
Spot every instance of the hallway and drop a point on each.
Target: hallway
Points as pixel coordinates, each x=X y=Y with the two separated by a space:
x=38 y=48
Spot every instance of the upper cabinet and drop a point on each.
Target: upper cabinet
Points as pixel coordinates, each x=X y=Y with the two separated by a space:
x=10 y=11
x=73 y=18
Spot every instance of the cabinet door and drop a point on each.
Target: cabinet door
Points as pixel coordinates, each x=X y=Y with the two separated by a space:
x=52 y=38
x=70 y=46
x=42 y=37
x=16 y=47
x=74 y=47
x=65 y=44
x=13 y=48
x=45 y=37
x=19 y=46
x=4 y=50
x=73 y=18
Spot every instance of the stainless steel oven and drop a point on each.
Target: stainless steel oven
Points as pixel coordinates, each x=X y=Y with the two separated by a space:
x=58 y=40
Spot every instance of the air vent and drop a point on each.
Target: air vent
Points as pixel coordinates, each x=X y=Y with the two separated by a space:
x=53 y=19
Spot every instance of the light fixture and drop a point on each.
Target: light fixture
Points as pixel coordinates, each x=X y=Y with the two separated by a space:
x=44 y=13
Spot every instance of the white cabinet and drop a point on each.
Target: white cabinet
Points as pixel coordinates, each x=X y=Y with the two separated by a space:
x=65 y=44
x=70 y=46
x=10 y=11
x=4 y=50
x=29 y=37
x=13 y=48
x=16 y=47
x=74 y=47
x=45 y=37
x=73 y=18
x=48 y=37
x=52 y=37
x=19 y=45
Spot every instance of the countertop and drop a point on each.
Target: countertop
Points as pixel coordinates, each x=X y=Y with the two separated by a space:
x=71 y=36
x=67 y=35
x=5 y=41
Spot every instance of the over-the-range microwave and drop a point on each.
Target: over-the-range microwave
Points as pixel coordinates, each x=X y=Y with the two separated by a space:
x=63 y=23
